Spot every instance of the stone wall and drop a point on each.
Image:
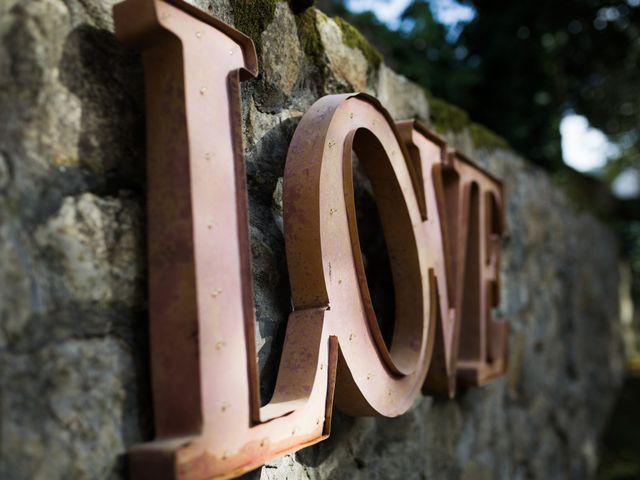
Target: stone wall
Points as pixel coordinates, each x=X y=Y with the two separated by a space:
x=74 y=382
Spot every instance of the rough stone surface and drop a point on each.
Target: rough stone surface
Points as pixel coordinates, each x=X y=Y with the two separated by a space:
x=348 y=64
x=280 y=62
x=74 y=371
x=401 y=97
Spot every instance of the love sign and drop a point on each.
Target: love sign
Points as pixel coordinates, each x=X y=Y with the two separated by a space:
x=442 y=218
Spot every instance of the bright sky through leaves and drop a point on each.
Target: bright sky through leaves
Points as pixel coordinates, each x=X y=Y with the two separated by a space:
x=449 y=12
x=583 y=147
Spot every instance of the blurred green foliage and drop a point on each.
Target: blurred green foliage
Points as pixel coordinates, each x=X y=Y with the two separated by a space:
x=517 y=68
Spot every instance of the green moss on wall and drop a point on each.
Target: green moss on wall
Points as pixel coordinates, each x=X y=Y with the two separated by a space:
x=310 y=37
x=446 y=117
x=354 y=39
x=483 y=137
x=252 y=17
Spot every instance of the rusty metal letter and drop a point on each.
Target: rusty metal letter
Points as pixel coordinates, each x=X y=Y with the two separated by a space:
x=323 y=251
x=465 y=223
x=208 y=419
x=428 y=154
x=479 y=217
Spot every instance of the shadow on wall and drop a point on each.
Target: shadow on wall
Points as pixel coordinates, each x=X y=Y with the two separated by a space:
x=265 y=163
x=108 y=79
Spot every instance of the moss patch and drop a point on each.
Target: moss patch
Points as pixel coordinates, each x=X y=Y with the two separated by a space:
x=445 y=116
x=310 y=37
x=252 y=17
x=483 y=137
x=354 y=39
